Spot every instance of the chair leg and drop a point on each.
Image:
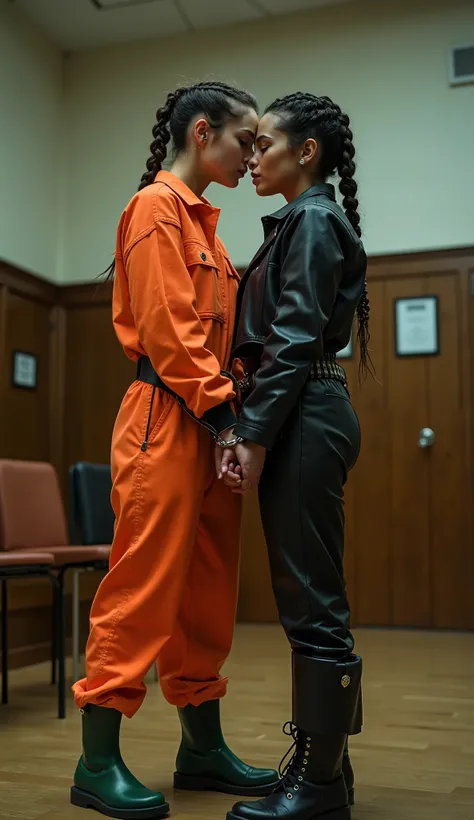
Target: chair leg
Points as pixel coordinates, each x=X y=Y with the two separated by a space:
x=75 y=624
x=54 y=632
x=61 y=627
x=4 y=642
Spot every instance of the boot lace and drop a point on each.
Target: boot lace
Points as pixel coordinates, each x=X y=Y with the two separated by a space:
x=293 y=764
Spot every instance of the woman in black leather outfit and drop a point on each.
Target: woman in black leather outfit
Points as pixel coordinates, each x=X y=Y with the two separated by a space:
x=300 y=434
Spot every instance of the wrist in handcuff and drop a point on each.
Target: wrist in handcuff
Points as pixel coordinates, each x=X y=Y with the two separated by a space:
x=231 y=442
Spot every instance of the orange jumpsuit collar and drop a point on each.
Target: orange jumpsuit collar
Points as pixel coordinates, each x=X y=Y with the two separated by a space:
x=183 y=191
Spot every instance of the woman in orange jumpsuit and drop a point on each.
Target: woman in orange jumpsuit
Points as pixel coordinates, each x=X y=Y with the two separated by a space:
x=171 y=590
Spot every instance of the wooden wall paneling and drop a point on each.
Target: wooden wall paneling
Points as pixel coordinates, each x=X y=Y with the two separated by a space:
x=452 y=556
x=28 y=285
x=372 y=477
x=25 y=413
x=410 y=525
x=256 y=600
x=97 y=377
x=56 y=396
x=350 y=508
x=3 y=354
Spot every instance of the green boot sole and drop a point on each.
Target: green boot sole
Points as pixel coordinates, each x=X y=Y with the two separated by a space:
x=89 y=801
x=197 y=783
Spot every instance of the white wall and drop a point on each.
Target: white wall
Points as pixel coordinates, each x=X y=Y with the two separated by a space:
x=387 y=67
x=58 y=211
x=30 y=136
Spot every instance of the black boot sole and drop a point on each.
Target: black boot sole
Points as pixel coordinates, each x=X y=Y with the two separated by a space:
x=88 y=801
x=187 y=782
x=335 y=814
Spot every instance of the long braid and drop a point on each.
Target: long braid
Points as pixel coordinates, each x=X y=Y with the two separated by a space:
x=350 y=203
x=161 y=138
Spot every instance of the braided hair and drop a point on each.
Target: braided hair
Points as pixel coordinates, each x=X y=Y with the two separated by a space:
x=218 y=102
x=304 y=116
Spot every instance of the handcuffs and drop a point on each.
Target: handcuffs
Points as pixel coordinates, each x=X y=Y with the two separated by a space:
x=241 y=386
x=232 y=442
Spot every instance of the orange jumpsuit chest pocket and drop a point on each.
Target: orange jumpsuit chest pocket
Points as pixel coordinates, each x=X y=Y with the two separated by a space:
x=207 y=280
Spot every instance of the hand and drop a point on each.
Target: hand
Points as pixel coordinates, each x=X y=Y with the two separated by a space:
x=251 y=458
x=226 y=456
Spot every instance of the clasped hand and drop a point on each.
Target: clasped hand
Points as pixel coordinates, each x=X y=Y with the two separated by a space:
x=240 y=467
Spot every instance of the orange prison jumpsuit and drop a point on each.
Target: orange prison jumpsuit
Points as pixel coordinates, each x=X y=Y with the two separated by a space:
x=171 y=591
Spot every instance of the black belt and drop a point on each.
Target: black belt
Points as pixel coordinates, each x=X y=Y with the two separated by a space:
x=325 y=368
x=328 y=368
x=147 y=373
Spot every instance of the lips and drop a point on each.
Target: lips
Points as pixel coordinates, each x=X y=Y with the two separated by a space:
x=255 y=179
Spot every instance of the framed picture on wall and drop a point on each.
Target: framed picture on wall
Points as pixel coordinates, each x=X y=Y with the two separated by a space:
x=24 y=370
x=417 y=326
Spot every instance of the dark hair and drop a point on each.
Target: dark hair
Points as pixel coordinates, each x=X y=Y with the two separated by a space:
x=305 y=116
x=218 y=102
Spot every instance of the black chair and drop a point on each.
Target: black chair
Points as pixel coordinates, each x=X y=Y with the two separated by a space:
x=91 y=522
x=91 y=518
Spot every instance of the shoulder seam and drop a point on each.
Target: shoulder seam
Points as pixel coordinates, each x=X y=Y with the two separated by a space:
x=325 y=207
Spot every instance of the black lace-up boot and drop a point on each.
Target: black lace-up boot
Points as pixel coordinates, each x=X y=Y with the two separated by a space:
x=326 y=708
x=348 y=773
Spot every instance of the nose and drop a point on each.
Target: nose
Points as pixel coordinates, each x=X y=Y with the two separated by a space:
x=253 y=161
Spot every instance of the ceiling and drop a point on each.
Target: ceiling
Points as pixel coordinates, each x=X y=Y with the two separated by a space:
x=76 y=24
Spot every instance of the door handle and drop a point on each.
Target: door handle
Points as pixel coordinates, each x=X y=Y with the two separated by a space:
x=427 y=437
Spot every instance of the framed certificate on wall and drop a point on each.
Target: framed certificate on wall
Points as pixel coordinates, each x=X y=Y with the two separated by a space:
x=417 y=326
x=24 y=370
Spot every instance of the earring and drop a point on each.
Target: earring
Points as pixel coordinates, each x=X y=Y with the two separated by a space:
x=302 y=162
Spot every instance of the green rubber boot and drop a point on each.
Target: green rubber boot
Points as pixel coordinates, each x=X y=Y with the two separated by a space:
x=205 y=762
x=102 y=780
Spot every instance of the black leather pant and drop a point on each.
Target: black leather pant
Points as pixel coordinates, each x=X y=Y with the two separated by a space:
x=302 y=505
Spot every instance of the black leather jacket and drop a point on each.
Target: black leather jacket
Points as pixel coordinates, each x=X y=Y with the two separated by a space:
x=296 y=302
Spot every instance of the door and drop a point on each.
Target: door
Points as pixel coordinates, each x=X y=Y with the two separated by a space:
x=409 y=548
x=409 y=552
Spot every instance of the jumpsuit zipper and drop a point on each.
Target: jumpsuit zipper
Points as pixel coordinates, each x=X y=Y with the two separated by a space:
x=147 y=431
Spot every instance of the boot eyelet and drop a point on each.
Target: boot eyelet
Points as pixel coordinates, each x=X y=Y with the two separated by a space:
x=303 y=770
x=305 y=761
x=300 y=778
x=289 y=796
x=308 y=738
x=308 y=745
x=296 y=788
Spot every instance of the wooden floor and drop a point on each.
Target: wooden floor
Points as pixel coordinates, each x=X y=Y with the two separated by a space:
x=414 y=760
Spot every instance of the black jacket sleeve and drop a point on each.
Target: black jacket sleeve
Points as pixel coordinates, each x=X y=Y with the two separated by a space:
x=311 y=272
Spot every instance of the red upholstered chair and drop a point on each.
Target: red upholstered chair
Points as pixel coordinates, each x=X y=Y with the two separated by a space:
x=32 y=520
